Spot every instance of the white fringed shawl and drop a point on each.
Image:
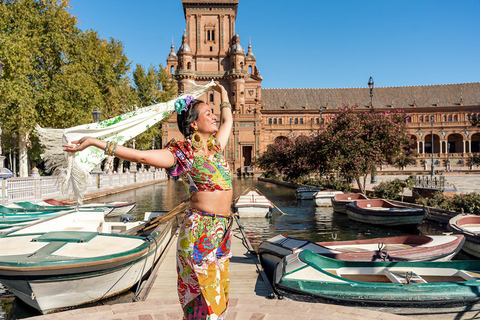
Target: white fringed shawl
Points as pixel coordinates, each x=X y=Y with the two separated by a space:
x=74 y=169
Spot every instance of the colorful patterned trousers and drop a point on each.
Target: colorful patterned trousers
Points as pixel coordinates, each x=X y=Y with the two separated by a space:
x=203 y=252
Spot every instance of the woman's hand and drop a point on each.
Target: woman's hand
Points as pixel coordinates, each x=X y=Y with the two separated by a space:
x=79 y=145
x=221 y=89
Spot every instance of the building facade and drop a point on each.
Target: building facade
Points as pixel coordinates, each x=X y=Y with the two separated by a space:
x=211 y=49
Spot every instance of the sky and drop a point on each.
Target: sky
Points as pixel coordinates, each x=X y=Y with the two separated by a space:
x=315 y=43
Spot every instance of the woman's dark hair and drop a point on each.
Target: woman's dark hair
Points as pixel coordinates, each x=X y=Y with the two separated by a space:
x=185 y=119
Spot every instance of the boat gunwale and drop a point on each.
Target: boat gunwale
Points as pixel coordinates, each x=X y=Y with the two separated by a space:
x=82 y=262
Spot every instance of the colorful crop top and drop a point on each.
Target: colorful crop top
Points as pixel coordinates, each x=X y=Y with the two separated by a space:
x=200 y=172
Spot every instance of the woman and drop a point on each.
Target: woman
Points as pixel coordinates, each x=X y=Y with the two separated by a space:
x=203 y=247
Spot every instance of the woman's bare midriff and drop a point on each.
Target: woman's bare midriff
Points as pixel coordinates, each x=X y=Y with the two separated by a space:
x=219 y=202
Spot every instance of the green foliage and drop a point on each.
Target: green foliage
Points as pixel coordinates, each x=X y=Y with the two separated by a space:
x=330 y=183
x=353 y=145
x=468 y=202
x=356 y=143
x=153 y=86
x=55 y=74
x=289 y=157
x=473 y=160
x=393 y=189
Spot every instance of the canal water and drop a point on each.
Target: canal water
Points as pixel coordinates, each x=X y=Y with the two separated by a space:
x=300 y=219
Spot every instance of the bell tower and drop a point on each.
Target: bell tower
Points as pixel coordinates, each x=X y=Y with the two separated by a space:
x=211 y=49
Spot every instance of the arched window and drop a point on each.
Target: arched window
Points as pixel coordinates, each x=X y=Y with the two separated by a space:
x=269 y=120
x=213 y=35
x=291 y=120
x=468 y=117
x=317 y=121
x=189 y=65
x=250 y=69
x=444 y=118
x=279 y=120
x=172 y=70
x=301 y=120
x=241 y=65
x=450 y=118
x=409 y=119
x=274 y=120
x=211 y=97
x=421 y=118
x=455 y=118
x=296 y=120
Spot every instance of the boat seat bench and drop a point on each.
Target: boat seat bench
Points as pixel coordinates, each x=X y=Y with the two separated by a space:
x=403 y=276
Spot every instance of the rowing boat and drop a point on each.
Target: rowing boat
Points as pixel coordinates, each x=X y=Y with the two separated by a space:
x=306 y=275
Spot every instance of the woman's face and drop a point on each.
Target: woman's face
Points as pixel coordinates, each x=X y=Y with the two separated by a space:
x=206 y=121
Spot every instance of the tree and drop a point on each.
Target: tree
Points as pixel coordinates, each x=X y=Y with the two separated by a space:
x=289 y=157
x=356 y=143
x=152 y=87
x=54 y=74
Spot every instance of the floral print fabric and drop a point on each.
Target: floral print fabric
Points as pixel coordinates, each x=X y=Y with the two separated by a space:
x=201 y=172
x=203 y=252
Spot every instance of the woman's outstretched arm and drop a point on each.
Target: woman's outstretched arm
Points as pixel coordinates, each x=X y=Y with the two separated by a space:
x=157 y=158
x=226 y=118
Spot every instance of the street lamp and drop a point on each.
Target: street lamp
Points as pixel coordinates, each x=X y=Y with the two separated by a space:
x=96 y=115
x=133 y=165
x=14 y=136
x=448 y=157
x=370 y=86
x=373 y=178
x=96 y=118
x=432 y=172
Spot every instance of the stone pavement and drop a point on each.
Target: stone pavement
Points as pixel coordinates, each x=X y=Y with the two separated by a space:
x=239 y=309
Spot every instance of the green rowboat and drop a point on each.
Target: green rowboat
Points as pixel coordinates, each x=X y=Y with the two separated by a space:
x=390 y=284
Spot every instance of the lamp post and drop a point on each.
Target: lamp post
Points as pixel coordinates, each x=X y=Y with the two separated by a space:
x=14 y=136
x=370 y=86
x=432 y=172
x=448 y=157
x=96 y=118
x=133 y=165
x=373 y=177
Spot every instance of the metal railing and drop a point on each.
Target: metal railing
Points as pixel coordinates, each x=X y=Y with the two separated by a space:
x=43 y=187
x=435 y=182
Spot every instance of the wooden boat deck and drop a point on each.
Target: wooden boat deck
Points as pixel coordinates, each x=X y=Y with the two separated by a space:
x=242 y=272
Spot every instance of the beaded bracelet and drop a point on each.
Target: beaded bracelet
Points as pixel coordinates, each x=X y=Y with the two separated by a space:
x=225 y=105
x=114 y=148
x=106 y=147
x=110 y=149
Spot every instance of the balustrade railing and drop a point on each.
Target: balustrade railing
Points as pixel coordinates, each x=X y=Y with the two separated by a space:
x=44 y=187
x=435 y=182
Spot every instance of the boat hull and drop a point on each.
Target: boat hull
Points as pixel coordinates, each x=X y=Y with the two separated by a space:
x=253 y=204
x=64 y=284
x=324 y=198
x=469 y=226
x=325 y=279
x=400 y=248
x=254 y=212
x=394 y=216
x=340 y=202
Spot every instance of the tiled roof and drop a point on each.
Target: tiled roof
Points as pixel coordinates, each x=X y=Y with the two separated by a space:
x=383 y=97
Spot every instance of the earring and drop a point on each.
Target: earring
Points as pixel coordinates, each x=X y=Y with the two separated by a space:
x=197 y=141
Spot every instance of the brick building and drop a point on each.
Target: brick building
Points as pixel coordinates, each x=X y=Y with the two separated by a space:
x=211 y=49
